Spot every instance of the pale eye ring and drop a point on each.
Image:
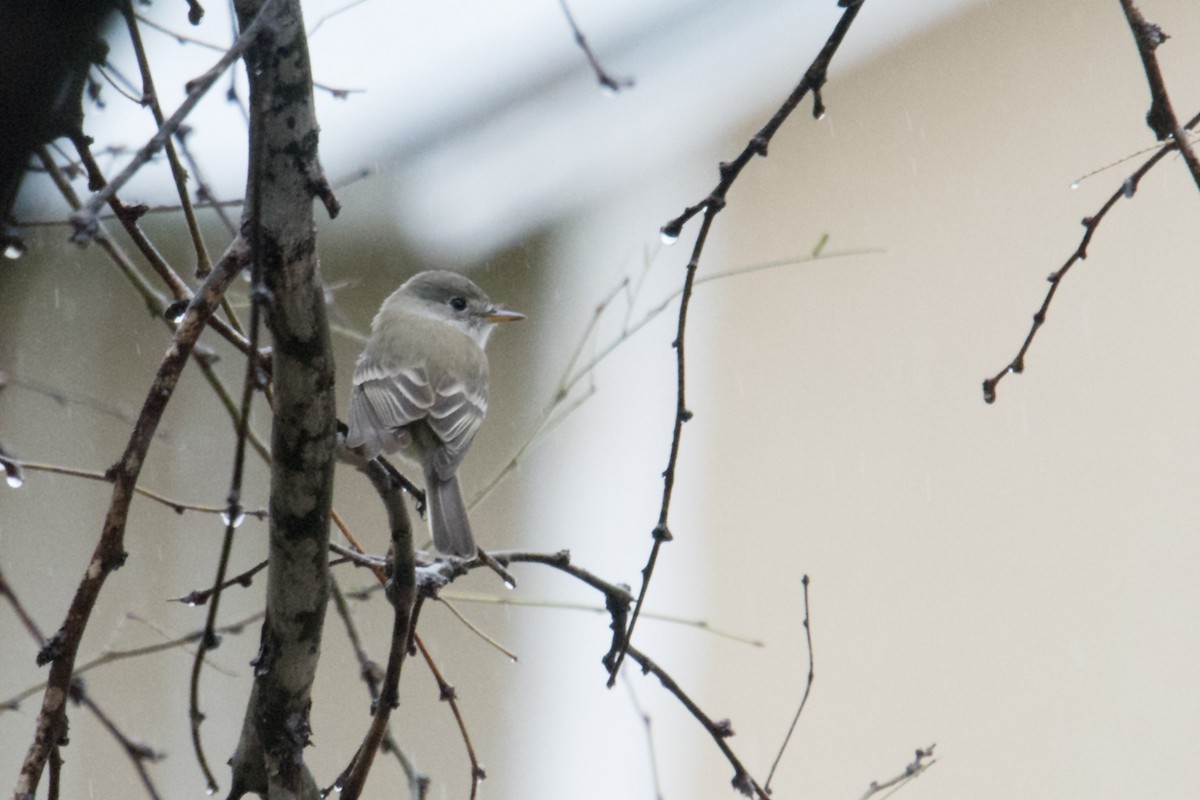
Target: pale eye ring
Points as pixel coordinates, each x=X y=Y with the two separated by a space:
x=458 y=303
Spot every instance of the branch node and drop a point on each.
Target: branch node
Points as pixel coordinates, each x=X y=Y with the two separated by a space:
x=723 y=728
x=51 y=650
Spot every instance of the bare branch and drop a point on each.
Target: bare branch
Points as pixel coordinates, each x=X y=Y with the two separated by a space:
x=402 y=592
x=808 y=683
x=1090 y=225
x=922 y=760
x=813 y=80
x=607 y=81
x=1161 y=116
x=85 y=218
x=110 y=554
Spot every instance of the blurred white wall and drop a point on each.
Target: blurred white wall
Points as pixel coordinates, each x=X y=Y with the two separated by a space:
x=1013 y=582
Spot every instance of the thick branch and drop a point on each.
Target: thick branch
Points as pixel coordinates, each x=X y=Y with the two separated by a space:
x=284 y=177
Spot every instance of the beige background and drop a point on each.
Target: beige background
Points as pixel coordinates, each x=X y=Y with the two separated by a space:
x=1013 y=582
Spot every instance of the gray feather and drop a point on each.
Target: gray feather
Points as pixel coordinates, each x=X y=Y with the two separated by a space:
x=448 y=517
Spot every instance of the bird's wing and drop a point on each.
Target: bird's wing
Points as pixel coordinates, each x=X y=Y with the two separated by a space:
x=455 y=415
x=386 y=398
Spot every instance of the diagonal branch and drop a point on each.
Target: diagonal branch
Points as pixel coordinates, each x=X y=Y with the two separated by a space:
x=62 y=649
x=1161 y=116
x=1090 y=225
x=85 y=219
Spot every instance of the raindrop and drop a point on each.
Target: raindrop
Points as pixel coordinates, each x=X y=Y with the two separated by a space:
x=1075 y=184
x=236 y=520
x=13 y=250
x=608 y=89
x=669 y=236
x=1128 y=188
x=211 y=790
x=821 y=115
x=190 y=603
x=15 y=481
x=176 y=311
x=509 y=583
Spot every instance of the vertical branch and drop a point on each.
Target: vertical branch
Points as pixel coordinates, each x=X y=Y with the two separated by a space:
x=402 y=592
x=812 y=82
x=150 y=97
x=284 y=177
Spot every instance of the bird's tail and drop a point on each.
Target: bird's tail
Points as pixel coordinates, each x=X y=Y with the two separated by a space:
x=448 y=517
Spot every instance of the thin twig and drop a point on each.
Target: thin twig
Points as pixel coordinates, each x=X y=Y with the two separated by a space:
x=448 y=694
x=175 y=505
x=253 y=381
x=178 y=173
x=61 y=651
x=922 y=760
x=113 y=656
x=1090 y=225
x=138 y=754
x=807 y=689
x=473 y=628
x=201 y=596
x=606 y=80
x=85 y=218
x=647 y=724
x=505 y=600
x=371 y=674
x=814 y=78
x=719 y=730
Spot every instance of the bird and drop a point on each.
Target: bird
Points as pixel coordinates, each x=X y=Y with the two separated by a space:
x=421 y=388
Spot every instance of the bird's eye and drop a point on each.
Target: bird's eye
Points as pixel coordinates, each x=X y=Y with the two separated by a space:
x=458 y=303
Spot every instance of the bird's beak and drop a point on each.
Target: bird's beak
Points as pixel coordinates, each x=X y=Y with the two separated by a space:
x=498 y=314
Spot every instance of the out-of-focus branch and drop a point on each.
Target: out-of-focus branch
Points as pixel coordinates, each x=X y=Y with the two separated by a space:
x=371 y=674
x=85 y=218
x=175 y=505
x=808 y=683
x=62 y=649
x=923 y=759
x=606 y=81
x=178 y=173
x=814 y=78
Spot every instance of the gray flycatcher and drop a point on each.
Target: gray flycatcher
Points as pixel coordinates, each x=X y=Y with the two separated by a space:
x=421 y=387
